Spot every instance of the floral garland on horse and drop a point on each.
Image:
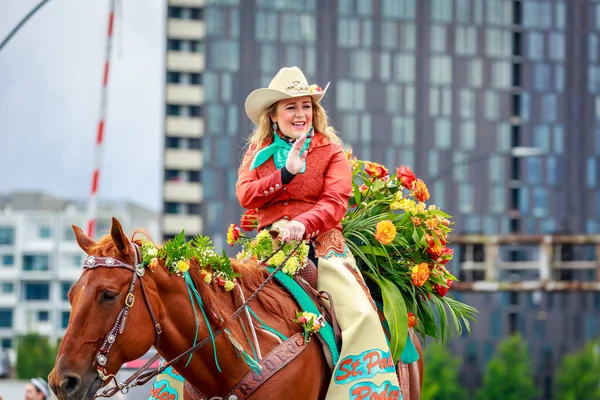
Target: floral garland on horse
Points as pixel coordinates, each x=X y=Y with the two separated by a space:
x=399 y=243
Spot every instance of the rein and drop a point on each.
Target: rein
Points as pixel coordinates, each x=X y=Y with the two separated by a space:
x=140 y=377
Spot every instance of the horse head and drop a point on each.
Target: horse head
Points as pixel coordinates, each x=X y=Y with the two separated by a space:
x=104 y=329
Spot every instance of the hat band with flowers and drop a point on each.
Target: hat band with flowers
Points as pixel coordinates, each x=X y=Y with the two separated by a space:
x=289 y=82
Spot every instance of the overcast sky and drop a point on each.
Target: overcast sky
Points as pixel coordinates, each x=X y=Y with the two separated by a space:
x=50 y=87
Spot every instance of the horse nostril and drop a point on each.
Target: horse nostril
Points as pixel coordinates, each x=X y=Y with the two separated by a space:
x=70 y=383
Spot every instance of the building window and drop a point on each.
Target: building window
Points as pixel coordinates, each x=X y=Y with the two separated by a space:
x=174 y=44
x=194 y=208
x=45 y=232
x=173 y=143
x=173 y=77
x=36 y=262
x=6 y=318
x=475 y=73
x=440 y=68
x=467 y=135
x=536 y=45
x=173 y=109
x=7 y=235
x=492 y=105
x=443 y=133
x=8 y=260
x=194 y=176
x=64 y=290
x=68 y=234
x=64 y=319
x=438 y=38
x=465 y=196
x=441 y=11
x=43 y=316
x=398 y=9
x=172 y=208
x=7 y=288
x=36 y=291
x=195 y=111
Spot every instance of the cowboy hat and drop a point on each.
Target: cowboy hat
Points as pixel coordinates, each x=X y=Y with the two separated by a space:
x=288 y=83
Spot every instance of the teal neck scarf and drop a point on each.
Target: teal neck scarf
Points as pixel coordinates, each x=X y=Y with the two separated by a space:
x=279 y=149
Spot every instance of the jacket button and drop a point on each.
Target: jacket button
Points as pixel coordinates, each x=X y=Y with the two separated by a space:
x=265 y=193
x=285 y=203
x=277 y=186
x=286 y=217
x=271 y=189
x=285 y=189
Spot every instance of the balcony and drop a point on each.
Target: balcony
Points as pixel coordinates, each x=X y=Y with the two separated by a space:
x=191 y=127
x=185 y=62
x=183 y=192
x=185 y=29
x=187 y=3
x=183 y=159
x=185 y=94
x=174 y=223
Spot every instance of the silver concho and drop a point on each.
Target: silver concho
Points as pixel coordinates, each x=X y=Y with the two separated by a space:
x=90 y=261
x=111 y=339
x=110 y=262
x=140 y=271
x=101 y=359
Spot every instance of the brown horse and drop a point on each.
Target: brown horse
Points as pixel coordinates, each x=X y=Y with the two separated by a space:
x=97 y=300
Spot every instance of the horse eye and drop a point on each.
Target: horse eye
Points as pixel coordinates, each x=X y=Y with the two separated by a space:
x=108 y=296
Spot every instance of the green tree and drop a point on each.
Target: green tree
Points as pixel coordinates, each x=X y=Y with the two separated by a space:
x=35 y=356
x=578 y=376
x=508 y=375
x=441 y=380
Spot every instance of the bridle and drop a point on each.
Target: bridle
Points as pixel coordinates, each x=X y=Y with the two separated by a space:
x=138 y=271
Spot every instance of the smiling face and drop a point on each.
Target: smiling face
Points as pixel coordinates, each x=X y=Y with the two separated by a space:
x=294 y=116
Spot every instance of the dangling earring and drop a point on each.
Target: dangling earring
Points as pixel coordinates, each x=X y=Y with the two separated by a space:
x=274 y=128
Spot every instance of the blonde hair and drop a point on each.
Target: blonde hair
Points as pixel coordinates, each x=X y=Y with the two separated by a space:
x=264 y=130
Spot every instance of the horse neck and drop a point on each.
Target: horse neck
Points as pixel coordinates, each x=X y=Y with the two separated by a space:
x=180 y=324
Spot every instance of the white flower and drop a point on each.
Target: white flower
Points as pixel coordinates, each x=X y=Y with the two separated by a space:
x=152 y=251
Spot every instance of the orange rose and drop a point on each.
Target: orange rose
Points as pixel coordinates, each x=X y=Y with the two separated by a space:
x=416 y=221
x=420 y=190
x=435 y=250
x=406 y=176
x=375 y=170
x=412 y=320
x=419 y=274
x=385 y=232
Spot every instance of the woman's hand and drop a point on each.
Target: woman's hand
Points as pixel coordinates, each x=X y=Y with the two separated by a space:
x=295 y=160
x=294 y=230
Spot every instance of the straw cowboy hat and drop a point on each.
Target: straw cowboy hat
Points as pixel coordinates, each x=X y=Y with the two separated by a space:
x=288 y=83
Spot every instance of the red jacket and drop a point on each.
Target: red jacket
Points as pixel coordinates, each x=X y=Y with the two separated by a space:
x=318 y=198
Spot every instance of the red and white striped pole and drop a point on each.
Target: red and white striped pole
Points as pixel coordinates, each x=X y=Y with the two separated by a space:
x=92 y=207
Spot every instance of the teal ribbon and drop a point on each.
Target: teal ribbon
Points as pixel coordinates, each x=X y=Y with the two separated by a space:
x=279 y=150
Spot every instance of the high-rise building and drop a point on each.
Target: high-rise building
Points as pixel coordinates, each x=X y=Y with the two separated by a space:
x=40 y=259
x=184 y=122
x=494 y=103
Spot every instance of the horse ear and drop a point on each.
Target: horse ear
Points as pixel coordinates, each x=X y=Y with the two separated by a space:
x=118 y=236
x=83 y=240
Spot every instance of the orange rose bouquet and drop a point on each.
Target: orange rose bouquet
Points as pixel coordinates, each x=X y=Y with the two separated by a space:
x=401 y=246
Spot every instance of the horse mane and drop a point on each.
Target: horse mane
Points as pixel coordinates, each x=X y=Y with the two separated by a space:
x=220 y=305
